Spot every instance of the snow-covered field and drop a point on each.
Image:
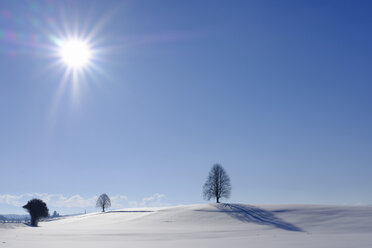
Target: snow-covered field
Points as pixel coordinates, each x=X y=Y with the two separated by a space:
x=208 y=225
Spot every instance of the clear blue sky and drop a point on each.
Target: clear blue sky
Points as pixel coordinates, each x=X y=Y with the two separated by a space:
x=278 y=92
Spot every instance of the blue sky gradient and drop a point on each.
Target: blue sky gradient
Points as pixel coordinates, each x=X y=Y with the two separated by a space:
x=278 y=92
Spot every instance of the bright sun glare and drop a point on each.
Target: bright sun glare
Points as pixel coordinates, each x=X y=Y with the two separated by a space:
x=75 y=53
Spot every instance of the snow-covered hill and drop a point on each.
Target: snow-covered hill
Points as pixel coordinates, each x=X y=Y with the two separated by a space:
x=208 y=225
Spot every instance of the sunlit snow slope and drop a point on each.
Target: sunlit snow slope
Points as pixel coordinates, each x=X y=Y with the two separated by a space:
x=209 y=225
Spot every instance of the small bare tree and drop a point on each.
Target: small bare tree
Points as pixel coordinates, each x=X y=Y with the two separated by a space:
x=217 y=184
x=103 y=202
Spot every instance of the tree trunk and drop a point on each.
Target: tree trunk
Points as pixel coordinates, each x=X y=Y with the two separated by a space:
x=217 y=199
x=33 y=222
x=103 y=208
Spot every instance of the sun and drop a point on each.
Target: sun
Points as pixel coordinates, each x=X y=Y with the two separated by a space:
x=75 y=53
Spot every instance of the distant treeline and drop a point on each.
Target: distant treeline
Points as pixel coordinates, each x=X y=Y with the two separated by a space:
x=12 y=218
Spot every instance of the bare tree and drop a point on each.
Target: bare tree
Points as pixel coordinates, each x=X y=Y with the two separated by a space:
x=103 y=202
x=217 y=184
x=37 y=209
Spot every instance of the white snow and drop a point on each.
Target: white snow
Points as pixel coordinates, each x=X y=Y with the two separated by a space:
x=207 y=225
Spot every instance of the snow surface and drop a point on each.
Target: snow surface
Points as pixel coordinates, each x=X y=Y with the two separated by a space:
x=207 y=225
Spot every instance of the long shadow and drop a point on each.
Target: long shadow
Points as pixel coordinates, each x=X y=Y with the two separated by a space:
x=122 y=211
x=256 y=215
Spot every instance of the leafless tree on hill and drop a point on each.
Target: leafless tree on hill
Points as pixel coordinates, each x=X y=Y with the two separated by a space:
x=103 y=202
x=217 y=184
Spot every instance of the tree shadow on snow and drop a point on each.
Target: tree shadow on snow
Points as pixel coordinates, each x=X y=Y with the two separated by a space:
x=134 y=211
x=256 y=215
x=29 y=224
